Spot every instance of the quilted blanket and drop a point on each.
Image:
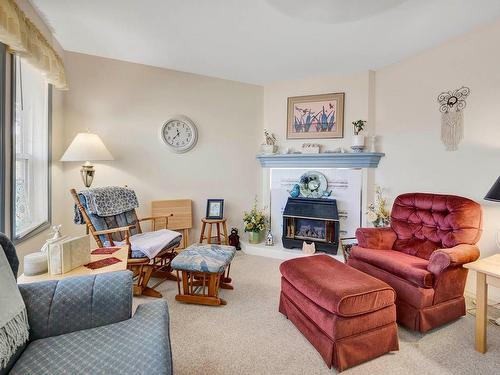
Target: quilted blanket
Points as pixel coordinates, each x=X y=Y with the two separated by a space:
x=107 y=201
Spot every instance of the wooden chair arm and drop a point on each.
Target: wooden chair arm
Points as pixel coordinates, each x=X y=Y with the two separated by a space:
x=155 y=218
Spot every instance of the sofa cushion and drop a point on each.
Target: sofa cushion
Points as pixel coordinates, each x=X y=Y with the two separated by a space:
x=426 y=222
x=411 y=268
x=140 y=345
x=337 y=287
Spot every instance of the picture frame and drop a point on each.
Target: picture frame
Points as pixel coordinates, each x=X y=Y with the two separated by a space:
x=315 y=116
x=215 y=209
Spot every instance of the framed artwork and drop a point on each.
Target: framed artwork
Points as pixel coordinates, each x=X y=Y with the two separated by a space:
x=215 y=209
x=315 y=116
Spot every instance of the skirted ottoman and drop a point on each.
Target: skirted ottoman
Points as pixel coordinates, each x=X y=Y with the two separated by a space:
x=347 y=315
x=205 y=269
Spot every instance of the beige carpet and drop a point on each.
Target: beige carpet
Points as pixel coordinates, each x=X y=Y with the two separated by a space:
x=250 y=336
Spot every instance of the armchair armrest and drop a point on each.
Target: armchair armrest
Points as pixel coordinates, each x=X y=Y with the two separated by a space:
x=77 y=303
x=442 y=259
x=376 y=238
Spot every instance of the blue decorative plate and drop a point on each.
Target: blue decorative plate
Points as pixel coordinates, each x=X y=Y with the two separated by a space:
x=313 y=185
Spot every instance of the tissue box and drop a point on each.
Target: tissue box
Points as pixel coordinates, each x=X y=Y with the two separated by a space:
x=67 y=254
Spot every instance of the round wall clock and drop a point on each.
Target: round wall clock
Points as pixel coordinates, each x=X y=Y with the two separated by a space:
x=180 y=134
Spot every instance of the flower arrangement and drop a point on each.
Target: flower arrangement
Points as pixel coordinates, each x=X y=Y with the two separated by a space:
x=255 y=220
x=377 y=212
x=359 y=126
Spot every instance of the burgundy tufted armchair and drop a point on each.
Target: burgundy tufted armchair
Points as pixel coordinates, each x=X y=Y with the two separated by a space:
x=421 y=256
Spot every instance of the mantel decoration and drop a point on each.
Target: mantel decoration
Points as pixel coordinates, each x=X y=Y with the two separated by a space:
x=358 y=139
x=312 y=184
x=255 y=223
x=23 y=37
x=270 y=145
x=316 y=116
x=451 y=106
x=377 y=213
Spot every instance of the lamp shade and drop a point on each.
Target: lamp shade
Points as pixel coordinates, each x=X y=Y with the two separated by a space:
x=494 y=193
x=86 y=147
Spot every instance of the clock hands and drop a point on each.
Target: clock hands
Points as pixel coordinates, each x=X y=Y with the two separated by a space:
x=176 y=134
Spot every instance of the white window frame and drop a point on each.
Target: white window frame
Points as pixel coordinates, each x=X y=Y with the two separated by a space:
x=32 y=231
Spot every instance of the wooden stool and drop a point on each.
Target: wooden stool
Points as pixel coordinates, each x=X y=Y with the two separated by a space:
x=221 y=240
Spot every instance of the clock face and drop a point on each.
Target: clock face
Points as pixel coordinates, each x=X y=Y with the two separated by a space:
x=180 y=134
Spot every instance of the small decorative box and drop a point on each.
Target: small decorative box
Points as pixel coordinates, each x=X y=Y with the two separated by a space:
x=68 y=253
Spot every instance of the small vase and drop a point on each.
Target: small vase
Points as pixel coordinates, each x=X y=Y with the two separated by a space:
x=254 y=237
x=358 y=140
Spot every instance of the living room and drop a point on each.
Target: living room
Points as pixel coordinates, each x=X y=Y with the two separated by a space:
x=350 y=140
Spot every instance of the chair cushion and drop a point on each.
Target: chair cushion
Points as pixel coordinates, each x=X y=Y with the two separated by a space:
x=209 y=258
x=410 y=268
x=426 y=222
x=174 y=243
x=337 y=287
x=140 y=345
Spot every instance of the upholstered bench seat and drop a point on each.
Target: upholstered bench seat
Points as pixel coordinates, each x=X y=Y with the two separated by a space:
x=347 y=315
x=204 y=258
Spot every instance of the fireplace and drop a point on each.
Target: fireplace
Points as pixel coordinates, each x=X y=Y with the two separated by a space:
x=311 y=220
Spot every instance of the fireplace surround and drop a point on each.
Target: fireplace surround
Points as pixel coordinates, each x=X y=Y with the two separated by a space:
x=311 y=220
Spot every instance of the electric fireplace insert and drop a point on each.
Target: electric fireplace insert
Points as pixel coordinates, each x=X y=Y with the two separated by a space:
x=311 y=220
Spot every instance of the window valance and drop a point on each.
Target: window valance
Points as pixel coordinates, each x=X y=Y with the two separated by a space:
x=24 y=38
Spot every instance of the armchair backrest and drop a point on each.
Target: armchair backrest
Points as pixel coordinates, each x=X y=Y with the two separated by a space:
x=97 y=223
x=426 y=222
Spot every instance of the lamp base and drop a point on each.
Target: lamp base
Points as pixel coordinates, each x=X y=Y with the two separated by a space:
x=87 y=172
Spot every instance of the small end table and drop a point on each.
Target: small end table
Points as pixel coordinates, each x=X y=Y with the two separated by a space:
x=487 y=273
x=221 y=238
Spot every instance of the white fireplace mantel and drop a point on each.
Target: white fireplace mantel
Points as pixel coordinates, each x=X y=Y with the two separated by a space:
x=325 y=160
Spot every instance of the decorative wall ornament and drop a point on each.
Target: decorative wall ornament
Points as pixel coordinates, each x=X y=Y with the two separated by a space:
x=451 y=106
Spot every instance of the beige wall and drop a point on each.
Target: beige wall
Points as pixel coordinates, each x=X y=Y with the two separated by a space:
x=358 y=97
x=126 y=104
x=408 y=121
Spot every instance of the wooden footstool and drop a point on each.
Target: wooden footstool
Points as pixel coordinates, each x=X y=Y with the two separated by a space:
x=205 y=269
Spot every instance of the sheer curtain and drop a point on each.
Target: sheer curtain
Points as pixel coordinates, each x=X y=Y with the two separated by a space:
x=31 y=126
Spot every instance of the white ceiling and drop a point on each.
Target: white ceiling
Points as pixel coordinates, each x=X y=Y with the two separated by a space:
x=260 y=41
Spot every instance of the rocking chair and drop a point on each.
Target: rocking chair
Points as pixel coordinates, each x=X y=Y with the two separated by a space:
x=108 y=229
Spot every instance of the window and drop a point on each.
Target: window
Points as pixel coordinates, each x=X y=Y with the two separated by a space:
x=31 y=150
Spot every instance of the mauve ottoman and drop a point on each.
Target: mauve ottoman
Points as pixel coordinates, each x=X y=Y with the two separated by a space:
x=347 y=315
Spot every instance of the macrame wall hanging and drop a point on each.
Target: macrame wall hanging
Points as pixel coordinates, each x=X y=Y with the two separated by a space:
x=451 y=106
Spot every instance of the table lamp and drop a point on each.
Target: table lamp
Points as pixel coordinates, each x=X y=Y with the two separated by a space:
x=494 y=193
x=87 y=147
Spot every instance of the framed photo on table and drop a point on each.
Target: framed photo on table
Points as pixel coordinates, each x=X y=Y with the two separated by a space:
x=315 y=116
x=215 y=209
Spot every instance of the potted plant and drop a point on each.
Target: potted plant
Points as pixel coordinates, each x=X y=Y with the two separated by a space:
x=377 y=213
x=358 y=139
x=270 y=143
x=255 y=223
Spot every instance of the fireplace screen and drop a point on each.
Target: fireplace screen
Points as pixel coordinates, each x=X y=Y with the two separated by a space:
x=310 y=229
